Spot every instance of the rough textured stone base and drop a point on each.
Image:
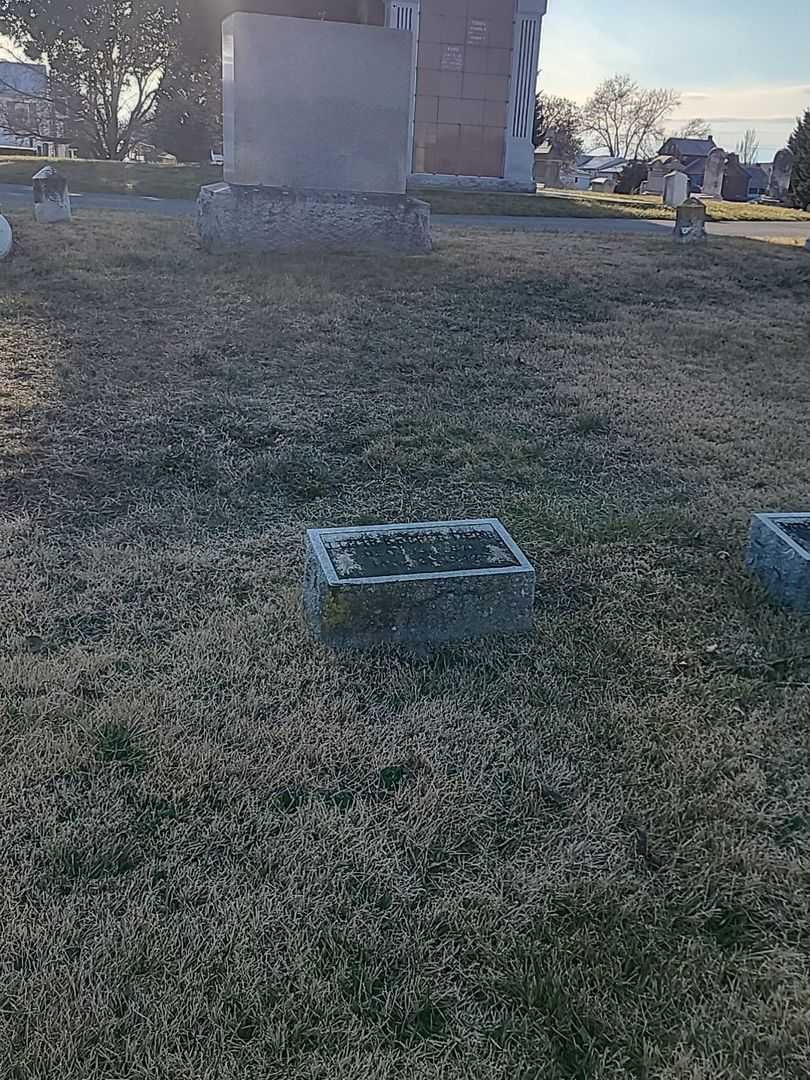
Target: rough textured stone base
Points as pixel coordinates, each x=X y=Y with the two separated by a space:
x=781 y=564
x=233 y=217
x=690 y=223
x=416 y=610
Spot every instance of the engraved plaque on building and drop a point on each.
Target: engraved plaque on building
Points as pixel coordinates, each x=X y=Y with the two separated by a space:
x=452 y=58
x=477 y=32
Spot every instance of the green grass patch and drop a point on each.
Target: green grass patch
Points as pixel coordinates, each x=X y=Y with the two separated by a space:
x=117 y=177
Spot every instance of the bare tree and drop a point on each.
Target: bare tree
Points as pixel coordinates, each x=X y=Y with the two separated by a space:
x=748 y=147
x=558 y=120
x=627 y=119
x=696 y=128
x=106 y=62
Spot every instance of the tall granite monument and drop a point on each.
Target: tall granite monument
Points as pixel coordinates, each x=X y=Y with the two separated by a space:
x=316 y=118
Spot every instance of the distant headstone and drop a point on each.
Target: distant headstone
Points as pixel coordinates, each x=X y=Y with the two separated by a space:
x=690 y=222
x=780 y=175
x=714 y=174
x=6 y=238
x=676 y=188
x=605 y=184
x=51 y=197
x=417 y=584
x=658 y=169
x=779 y=555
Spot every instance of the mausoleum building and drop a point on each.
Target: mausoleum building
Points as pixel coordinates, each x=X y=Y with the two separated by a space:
x=474 y=80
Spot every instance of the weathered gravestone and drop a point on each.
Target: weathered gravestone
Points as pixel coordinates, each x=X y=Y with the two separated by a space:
x=780 y=175
x=316 y=119
x=416 y=584
x=6 y=238
x=690 y=222
x=714 y=174
x=676 y=188
x=779 y=555
x=51 y=196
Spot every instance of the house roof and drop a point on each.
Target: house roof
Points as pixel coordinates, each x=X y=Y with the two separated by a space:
x=757 y=175
x=549 y=150
x=23 y=78
x=601 y=163
x=692 y=147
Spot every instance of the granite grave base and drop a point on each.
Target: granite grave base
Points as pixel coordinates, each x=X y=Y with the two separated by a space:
x=779 y=555
x=236 y=217
x=416 y=585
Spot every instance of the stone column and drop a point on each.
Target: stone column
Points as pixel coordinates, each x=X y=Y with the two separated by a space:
x=404 y=15
x=519 y=161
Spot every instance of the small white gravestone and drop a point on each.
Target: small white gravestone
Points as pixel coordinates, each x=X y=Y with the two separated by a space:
x=51 y=197
x=6 y=238
x=676 y=189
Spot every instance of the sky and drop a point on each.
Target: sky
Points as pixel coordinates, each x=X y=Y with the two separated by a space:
x=737 y=63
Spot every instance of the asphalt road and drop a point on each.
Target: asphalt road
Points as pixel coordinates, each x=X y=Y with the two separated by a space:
x=14 y=197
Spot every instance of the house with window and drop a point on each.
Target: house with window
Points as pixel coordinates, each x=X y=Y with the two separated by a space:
x=29 y=122
x=759 y=179
x=692 y=155
x=599 y=172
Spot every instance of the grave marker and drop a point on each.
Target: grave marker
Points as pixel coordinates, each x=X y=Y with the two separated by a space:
x=51 y=196
x=714 y=174
x=779 y=555
x=316 y=140
x=690 y=222
x=780 y=175
x=416 y=584
x=6 y=238
x=676 y=189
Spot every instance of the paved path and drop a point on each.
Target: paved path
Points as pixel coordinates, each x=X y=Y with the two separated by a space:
x=754 y=230
x=14 y=196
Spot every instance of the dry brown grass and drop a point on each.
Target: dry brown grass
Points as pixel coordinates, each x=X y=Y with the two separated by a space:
x=228 y=853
